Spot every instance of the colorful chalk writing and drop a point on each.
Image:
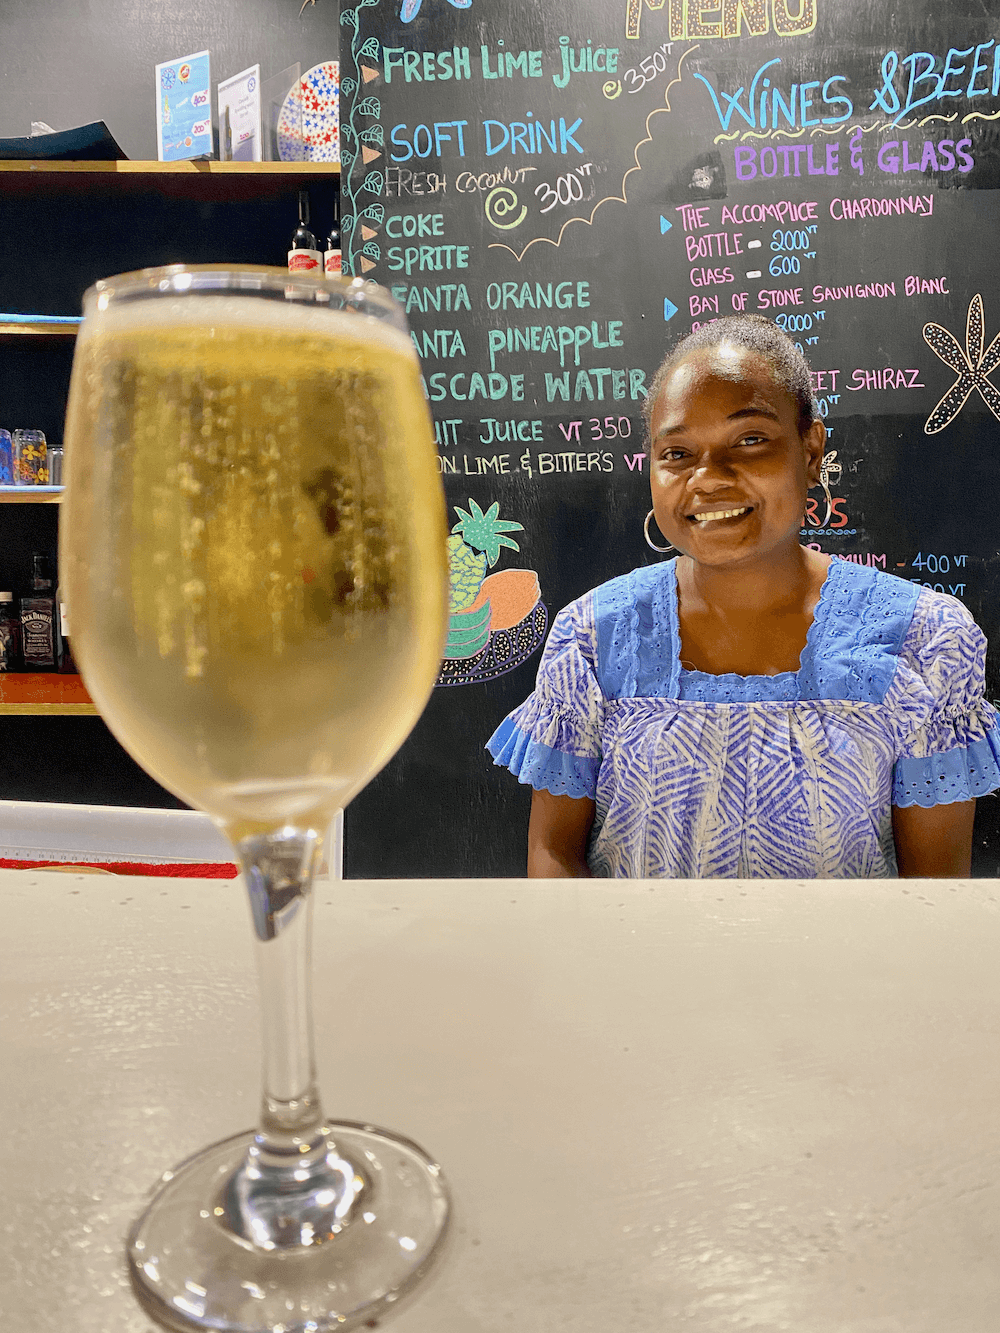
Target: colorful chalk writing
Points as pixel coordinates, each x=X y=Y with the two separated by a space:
x=928 y=75
x=736 y=18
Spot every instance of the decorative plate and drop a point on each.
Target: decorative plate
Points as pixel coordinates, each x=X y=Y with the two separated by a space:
x=309 y=123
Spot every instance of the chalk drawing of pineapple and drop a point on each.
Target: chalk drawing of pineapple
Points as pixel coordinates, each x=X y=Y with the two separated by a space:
x=496 y=621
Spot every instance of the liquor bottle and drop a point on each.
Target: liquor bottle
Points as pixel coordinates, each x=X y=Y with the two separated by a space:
x=10 y=633
x=38 y=621
x=304 y=256
x=64 y=653
x=331 y=256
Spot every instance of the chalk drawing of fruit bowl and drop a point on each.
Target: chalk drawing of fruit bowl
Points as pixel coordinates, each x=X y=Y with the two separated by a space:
x=496 y=621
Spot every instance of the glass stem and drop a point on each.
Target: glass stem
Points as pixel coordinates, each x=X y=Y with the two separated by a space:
x=278 y=868
x=293 y=1189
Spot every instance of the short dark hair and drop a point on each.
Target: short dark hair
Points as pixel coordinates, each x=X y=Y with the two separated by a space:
x=790 y=368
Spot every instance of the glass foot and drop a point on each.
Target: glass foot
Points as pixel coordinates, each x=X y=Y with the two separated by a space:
x=340 y=1248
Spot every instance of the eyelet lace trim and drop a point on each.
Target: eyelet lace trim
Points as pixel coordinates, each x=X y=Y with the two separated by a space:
x=540 y=766
x=864 y=615
x=860 y=613
x=957 y=775
x=630 y=647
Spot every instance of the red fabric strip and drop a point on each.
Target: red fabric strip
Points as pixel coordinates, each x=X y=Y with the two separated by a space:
x=178 y=870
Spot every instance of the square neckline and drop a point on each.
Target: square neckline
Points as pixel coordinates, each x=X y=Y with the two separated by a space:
x=789 y=679
x=852 y=647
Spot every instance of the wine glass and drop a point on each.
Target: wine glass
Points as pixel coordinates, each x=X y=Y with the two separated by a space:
x=253 y=540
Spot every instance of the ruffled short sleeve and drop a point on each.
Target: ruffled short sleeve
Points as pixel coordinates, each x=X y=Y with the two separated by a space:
x=948 y=743
x=553 y=740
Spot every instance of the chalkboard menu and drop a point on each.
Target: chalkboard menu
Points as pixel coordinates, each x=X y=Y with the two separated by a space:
x=556 y=194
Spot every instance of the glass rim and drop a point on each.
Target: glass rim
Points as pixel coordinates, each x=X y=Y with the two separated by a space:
x=357 y=295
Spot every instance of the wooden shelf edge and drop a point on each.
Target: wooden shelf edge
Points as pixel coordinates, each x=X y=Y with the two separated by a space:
x=48 y=710
x=176 y=168
x=50 y=330
x=28 y=495
x=44 y=694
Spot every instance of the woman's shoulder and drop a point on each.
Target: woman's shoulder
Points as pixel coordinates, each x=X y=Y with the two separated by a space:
x=865 y=602
x=944 y=645
x=635 y=625
x=875 y=625
x=610 y=623
x=908 y=612
x=642 y=587
x=937 y=696
x=860 y=625
x=939 y=612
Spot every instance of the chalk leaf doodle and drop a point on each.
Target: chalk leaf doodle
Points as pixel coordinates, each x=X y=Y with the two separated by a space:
x=972 y=366
x=411 y=8
x=496 y=621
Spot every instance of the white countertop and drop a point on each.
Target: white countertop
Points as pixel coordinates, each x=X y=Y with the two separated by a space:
x=683 y=1105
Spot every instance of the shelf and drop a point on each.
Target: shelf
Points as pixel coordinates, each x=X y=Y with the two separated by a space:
x=176 y=168
x=198 y=182
x=31 y=495
x=41 y=694
x=48 y=328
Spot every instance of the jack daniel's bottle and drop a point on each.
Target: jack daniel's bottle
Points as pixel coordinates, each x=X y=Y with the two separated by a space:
x=38 y=621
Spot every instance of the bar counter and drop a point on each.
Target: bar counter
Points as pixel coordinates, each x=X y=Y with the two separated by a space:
x=693 y=1105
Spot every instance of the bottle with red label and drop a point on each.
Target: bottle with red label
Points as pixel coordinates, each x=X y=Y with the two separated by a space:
x=304 y=256
x=332 y=256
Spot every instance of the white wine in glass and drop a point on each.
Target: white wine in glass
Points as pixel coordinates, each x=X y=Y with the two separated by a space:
x=253 y=543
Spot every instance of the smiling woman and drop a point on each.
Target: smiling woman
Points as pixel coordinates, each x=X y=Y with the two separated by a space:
x=751 y=708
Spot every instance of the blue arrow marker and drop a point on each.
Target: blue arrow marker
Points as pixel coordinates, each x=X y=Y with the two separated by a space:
x=665 y=225
x=669 y=309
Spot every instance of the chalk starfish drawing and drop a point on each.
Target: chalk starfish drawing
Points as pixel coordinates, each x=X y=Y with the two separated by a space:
x=497 y=620
x=971 y=366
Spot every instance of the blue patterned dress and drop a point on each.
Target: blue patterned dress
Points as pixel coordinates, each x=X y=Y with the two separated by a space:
x=788 y=776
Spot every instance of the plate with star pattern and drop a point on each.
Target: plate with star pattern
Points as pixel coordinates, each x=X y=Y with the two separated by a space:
x=309 y=123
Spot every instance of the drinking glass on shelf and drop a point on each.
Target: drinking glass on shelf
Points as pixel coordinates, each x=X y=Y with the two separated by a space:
x=55 y=460
x=253 y=541
x=30 y=458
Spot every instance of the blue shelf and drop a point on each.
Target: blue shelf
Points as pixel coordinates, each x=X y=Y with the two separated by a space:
x=40 y=319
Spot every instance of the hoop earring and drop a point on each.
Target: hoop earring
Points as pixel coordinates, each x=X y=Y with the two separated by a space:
x=661 y=550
